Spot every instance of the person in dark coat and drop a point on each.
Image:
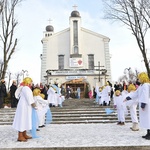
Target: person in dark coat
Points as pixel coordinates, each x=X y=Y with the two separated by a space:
x=116 y=86
x=3 y=92
x=94 y=92
x=44 y=91
x=14 y=100
x=68 y=90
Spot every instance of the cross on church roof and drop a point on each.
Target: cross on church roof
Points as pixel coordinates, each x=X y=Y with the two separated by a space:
x=75 y=6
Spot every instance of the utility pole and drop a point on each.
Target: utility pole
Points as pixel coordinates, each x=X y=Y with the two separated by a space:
x=99 y=69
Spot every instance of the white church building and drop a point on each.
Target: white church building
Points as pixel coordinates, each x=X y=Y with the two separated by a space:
x=75 y=57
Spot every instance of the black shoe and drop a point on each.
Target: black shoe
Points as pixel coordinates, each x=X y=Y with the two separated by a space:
x=50 y=105
x=118 y=123
x=145 y=136
x=42 y=126
x=122 y=123
x=37 y=129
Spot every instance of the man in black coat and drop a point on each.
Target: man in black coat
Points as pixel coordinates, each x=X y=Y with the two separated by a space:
x=13 y=89
x=3 y=92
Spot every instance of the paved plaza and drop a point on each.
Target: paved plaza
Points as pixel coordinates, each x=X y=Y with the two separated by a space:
x=76 y=135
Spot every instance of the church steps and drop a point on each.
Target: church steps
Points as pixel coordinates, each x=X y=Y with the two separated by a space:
x=73 y=112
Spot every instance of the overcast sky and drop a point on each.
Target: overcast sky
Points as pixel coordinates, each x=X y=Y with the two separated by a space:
x=33 y=16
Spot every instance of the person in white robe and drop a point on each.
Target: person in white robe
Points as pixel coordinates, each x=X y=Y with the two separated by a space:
x=108 y=87
x=143 y=95
x=78 y=92
x=105 y=98
x=99 y=93
x=42 y=106
x=119 y=105
x=60 y=97
x=52 y=97
x=124 y=95
x=132 y=104
x=23 y=116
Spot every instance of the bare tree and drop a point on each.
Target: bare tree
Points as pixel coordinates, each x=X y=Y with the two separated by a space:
x=135 y=14
x=8 y=24
x=17 y=77
x=129 y=75
x=1 y=5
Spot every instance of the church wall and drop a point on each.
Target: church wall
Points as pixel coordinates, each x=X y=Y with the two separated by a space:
x=92 y=44
x=57 y=45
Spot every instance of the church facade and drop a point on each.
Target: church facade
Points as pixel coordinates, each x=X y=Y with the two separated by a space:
x=75 y=57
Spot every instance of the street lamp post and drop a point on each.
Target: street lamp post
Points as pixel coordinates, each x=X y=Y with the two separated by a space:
x=127 y=73
x=23 y=72
x=131 y=75
x=18 y=77
x=47 y=77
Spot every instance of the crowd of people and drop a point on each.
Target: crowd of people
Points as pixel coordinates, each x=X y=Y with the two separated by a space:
x=33 y=103
x=128 y=96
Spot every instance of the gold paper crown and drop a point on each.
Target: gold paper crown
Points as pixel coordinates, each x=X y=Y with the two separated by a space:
x=27 y=81
x=36 y=92
x=131 y=87
x=143 y=77
x=117 y=92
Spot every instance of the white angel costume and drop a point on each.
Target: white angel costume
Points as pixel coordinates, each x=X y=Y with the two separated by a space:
x=52 y=97
x=99 y=93
x=132 y=104
x=143 y=95
x=120 y=106
x=105 y=95
x=43 y=107
x=23 y=116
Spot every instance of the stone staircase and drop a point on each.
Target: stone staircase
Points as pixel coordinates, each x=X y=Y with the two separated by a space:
x=74 y=111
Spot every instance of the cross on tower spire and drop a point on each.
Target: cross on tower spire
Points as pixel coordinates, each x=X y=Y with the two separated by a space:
x=49 y=20
x=75 y=6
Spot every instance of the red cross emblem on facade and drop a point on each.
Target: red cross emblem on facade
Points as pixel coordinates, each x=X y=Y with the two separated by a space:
x=79 y=62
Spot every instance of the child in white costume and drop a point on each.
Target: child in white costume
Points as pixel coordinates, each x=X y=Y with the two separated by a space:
x=23 y=116
x=42 y=105
x=119 y=105
x=132 y=104
x=143 y=95
x=99 y=96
